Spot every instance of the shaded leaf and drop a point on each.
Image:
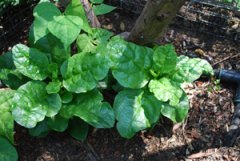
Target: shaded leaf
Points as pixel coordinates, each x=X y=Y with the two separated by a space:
x=7 y=151
x=102 y=9
x=78 y=129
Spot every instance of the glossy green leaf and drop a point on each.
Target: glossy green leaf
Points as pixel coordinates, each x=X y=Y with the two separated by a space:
x=66 y=28
x=31 y=104
x=102 y=9
x=131 y=70
x=58 y=123
x=78 y=129
x=43 y=13
x=176 y=113
x=101 y=35
x=189 y=70
x=6 y=119
x=40 y=130
x=164 y=59
x=135 y=111
x=165 y=90
x=53 y=87
x=7 y=151
x=75 y=8
x=30 y=62
x=89 y=107
x=82 y=71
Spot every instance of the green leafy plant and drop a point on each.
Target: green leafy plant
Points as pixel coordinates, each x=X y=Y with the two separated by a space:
x=100 y=8
x=53 y=86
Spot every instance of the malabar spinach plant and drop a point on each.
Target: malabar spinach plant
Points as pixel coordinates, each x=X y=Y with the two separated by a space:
x=58 y=82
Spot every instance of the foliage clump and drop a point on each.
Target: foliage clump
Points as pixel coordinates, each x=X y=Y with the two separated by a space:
x=53 y=86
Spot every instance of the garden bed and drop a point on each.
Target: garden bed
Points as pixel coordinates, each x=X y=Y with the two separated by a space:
x=200 y=137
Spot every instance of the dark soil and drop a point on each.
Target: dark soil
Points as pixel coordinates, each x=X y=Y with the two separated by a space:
x=199 y=137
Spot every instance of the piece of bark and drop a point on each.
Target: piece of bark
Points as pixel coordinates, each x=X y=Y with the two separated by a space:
x=90 y=14
x=154 y=20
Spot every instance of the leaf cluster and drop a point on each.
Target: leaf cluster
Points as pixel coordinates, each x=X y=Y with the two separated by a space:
x=58 y=82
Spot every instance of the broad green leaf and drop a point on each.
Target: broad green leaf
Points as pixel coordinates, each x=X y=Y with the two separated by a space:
x=7 y=151
x=31 y=104
x=132 y=68
x=66 y=28
x=40 y=130
x=165 y=90
x=102 y=9
x=96 y=1
x=135 y=111
x=78 y=129
x=164 y=59
x=176 y=113
x=6 y=120
x=82 y=71
x=43 y=13
x=30 y=62
x=89 y=107
x=58 y=123
x=53 y=87
x=189 y=70
x=114 y=49
x=75 y=8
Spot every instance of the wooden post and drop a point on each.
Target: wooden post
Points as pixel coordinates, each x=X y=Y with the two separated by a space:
x=154 y=20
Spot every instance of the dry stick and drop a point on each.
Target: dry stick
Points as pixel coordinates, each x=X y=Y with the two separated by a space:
x=90 y=14
x=229 y=57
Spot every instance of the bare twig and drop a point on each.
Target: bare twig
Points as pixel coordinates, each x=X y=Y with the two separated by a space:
x=225 y=59
x=90 y=14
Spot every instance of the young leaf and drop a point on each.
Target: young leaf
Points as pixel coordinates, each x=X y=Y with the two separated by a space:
x=6 y=120
x=82 y=71
x=43 y=13
x=176 y=113
x=164 y=90
x=102 y=9
x=7 y=151
x=188 y=70
x=66 y=97
x=75 y=8
x=66 y=28
x=89 y=107
x=135 y=111
x=78 y=129
x=164 y=59
x=89 y=43
x=132 y=68
x=58 y=123
x=40 y=130
x=53 y=87
x=31 y=104
x=30 y=62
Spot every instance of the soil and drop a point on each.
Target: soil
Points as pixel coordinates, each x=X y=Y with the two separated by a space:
x=199 y=137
